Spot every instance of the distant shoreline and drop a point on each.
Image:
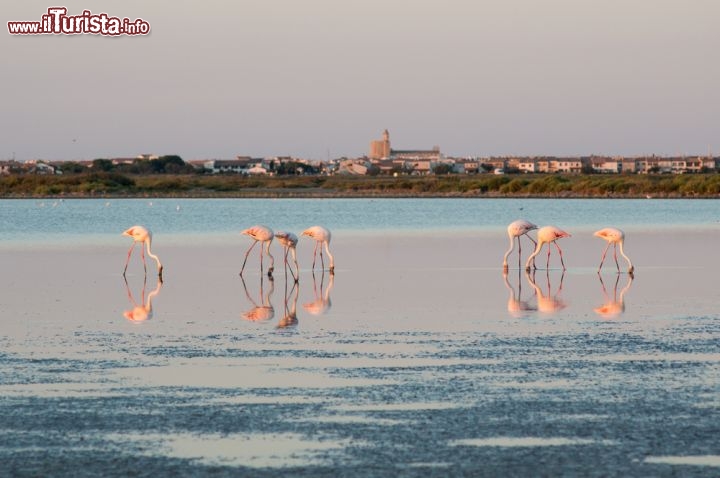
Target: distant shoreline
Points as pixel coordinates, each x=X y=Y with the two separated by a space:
x=529 y=186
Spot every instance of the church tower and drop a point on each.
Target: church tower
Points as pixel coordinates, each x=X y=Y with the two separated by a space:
x=380 y=149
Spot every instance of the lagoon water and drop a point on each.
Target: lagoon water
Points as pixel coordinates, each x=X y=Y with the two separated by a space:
x=417 y=358
x=58 y=220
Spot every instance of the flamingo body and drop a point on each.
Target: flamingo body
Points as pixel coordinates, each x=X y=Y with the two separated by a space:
x=322 y=237
x=264 y=235
x=516 y=229
x=143 y=236
x=547 y=235
x=614 y=237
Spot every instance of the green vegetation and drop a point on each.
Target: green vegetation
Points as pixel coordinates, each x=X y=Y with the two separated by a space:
x=116 y=184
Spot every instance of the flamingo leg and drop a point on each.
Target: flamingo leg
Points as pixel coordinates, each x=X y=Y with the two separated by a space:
x=603 y=256
x=246 y=257
x=297 y=267
x=561 y=256
x=128 y=258
x=142 y=254
x=287 y=265
x=322 y=261
x=519 y=253
x=272 y=259
x=617 y=264
x=547 y=266
x=315 y=255
x=261 y=258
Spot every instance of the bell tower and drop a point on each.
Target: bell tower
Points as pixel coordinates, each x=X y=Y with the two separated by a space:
x=380 y=149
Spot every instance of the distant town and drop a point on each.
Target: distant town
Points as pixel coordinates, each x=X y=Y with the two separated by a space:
x=381 y=160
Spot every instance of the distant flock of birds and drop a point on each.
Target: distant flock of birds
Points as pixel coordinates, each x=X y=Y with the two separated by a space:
x=550 y=234
x=264 y=235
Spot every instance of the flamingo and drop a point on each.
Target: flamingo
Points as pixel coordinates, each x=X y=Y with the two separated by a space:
x=614 y=236
x=321 y=236
x=518 y=228
x=141 y=235
x=261 y=234
x=547 y=235
x=289 y=241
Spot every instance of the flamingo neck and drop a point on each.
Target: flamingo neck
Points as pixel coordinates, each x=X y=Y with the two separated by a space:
x=327 y=250
x=294 y=256
x=535 y=253
x=267 y=250
x=157 y=259
x=622 y=253
x=507 y=254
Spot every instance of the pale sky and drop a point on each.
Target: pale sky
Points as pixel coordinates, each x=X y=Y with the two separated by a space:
x=322 y=78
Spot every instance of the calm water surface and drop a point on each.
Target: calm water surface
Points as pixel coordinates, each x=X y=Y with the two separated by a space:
x=54 y=220
x=418 y=358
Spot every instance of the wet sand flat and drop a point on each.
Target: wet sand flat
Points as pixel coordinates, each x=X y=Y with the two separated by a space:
x=417 y=358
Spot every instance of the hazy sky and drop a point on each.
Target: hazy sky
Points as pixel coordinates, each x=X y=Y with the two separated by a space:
x=319 y=78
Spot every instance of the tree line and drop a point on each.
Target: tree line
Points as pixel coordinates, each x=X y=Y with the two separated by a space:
x=113 y=183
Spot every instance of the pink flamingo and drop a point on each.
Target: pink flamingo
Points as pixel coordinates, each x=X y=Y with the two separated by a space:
x=547 y=235
x=142 y=235
x=321 y=236
x=518 y=228
x=262 y=234
x=289 y=241
x=614 y=236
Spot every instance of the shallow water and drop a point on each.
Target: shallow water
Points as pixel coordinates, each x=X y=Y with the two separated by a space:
x=417 y=358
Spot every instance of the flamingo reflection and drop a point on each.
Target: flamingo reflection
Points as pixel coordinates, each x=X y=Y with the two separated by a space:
x=143 y=311
x=290 y=318
x=265 y=310
x=615 y=306
x=321 y=303
x=515 y=305
x=547 y=303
